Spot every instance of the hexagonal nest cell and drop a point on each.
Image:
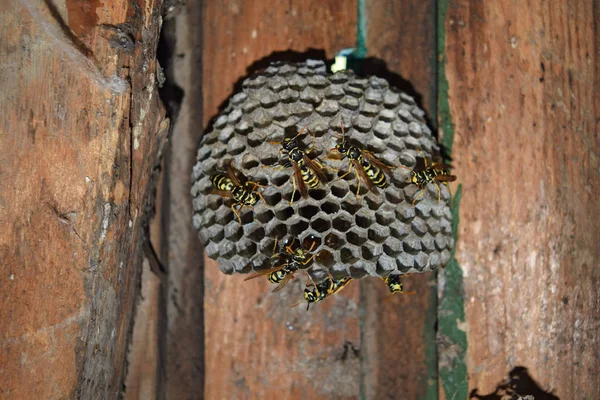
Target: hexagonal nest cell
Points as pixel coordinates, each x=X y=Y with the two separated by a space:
x=372 y=234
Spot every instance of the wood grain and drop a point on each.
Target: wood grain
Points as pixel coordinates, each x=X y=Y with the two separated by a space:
x=399 y=336
x=81 y=129
x=524 y=100
x=255 y=347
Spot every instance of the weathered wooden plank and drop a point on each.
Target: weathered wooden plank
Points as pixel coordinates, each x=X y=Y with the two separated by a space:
x=399 y=336
x=81 y=123
x=182 y=43
x=255 y=346
x=523 y=91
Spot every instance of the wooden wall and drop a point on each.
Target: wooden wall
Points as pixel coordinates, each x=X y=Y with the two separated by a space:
x=81 y=125
x=523 y=83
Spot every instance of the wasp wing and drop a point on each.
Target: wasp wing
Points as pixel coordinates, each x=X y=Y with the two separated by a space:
x=283 y=283
x=445 y=178
x=316 y=167
x=363 y=175
x=299 y=181
x=231 y=174
x=265 y=272
x=222 y=193
x=377 y=162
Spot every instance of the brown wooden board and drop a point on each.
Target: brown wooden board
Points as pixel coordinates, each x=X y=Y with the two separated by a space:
x=255 y=347
x=523 y=94
x=399 y=336
x=81 y=128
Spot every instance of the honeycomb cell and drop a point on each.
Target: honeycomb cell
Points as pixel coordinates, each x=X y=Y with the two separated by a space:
x=214 y=202
x=351 y=205
x=250 y=161
x=308 y=211
x=263 y=215
x=276 y=230
x=404 y=262
x=385 y=264
x=212 y=250
x=321 y=224
x=392 y=197
x=272 y=197
x=371 y=251
x=223 y=216
x=317 y=194
x=358 y=271
x=325 y=258
x=378 y=234
x=342 y=223
x=236 y=146
x=374 y=201
x=411 y=244
x=285 y=213
x=356 y=237
x=255 y=233
x=329 y=207
x=385 y=217
x=334 y=241
x=347 y=256
x=392 y=247
x=227 y=250
x=419 y=226
x=363 y=219
x=298 y=227
x=246 y=248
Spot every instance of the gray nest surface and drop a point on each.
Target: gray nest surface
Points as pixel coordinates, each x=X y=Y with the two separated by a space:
x=373 y=235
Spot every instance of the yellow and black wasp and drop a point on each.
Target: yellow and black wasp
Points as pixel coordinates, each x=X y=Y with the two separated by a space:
x=293 y=260
x=243 y=194
x=430 y=173
x=323 y=289
x=394 y=284
x=368 y=167
x=307 y=172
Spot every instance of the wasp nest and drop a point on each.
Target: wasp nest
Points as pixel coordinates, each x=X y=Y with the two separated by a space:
x=372 y=234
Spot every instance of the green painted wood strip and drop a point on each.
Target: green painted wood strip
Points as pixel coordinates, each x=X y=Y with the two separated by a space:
x=452 y=340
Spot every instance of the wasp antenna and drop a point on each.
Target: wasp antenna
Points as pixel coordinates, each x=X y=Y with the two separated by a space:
x=296 y=304
x=388 y=298
x=300 y=131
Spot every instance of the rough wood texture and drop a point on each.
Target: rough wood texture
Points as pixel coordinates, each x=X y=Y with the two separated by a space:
x=82 y=125
x=255 y=346
x=524 y=86
x=399 y=336
x=185 y=338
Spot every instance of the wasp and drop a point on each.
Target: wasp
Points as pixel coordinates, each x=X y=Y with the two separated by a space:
x=369 y=168
x=394 y=284
x=243 y=194
x=323 y=289
x=430 y=173
x=307 y=172
x=293 y=260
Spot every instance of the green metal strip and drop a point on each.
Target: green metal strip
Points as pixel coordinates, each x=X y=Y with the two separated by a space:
x=452 y=338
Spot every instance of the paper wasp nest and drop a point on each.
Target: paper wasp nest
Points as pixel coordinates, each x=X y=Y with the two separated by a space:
x=371 y=235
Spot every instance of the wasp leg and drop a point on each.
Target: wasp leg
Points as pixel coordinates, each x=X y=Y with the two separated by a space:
x=255 y=185
x=236 y=212
x=439 y=191
x=293 y=191
x=347 y=172
x=419 y=195
x=272 y=167
x=358 y=186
